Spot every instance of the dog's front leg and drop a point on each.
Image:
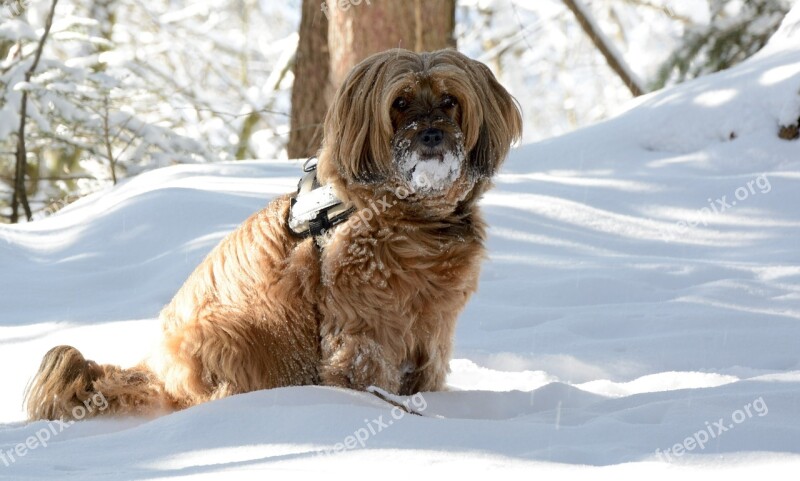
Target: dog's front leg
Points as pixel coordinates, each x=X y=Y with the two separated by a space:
x=429 y=378
x=357 y=362
x=362 y=323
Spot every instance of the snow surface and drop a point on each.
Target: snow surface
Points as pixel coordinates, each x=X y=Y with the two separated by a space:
x=642 y=291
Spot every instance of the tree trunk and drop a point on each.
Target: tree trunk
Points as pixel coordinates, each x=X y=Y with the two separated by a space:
x=337 y=34
x=360 y=28
x=311 y=71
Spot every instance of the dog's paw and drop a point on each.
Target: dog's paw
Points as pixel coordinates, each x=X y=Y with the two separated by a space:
x=358 y=363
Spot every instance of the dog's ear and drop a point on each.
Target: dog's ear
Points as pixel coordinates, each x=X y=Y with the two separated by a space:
x=358 y=129
x=500 y=122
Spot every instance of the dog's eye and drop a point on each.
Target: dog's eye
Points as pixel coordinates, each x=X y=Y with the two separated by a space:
x=448 y=102
x=400 y=103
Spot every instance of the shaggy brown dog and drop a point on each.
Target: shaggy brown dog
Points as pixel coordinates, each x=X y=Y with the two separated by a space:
x=411 y=142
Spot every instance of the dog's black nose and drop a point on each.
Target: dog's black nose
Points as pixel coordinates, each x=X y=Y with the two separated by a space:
x=432 y=137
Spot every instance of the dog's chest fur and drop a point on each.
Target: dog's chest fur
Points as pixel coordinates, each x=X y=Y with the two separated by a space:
x=401 y=285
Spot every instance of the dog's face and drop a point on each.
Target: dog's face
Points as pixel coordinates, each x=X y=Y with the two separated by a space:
x=427 y=145
x=435 y=124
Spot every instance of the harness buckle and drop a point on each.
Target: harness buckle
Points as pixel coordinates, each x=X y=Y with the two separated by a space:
x=315 y=208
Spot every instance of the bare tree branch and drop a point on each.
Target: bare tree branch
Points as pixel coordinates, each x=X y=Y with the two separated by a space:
x=666 y=10
x=20 y=193
x=107 y=140
x=612 y=56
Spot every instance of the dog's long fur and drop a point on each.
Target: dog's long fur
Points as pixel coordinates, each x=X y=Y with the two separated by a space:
x=376 y=303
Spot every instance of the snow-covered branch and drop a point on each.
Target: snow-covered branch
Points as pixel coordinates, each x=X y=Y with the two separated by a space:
x=612 y=55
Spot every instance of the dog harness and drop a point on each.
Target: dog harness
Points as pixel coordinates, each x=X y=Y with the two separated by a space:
x=315 y=208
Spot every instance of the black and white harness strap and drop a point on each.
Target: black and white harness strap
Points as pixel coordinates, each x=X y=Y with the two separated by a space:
x=315 y=208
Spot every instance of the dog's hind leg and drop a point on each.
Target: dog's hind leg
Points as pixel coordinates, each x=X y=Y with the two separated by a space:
x=67 y=386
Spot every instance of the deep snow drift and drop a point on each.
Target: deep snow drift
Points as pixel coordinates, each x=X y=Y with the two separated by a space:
x=639 y=312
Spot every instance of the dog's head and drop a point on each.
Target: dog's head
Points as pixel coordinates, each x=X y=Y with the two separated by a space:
x=436 y=125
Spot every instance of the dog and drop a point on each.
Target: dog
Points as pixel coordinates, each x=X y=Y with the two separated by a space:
x=362 y=292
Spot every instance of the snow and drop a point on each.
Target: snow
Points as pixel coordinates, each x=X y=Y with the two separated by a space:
x=15 y=29
x=609 y=338
x=433 y=174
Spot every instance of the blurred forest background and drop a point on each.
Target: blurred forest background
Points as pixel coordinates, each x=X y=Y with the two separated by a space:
x=93 y=91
